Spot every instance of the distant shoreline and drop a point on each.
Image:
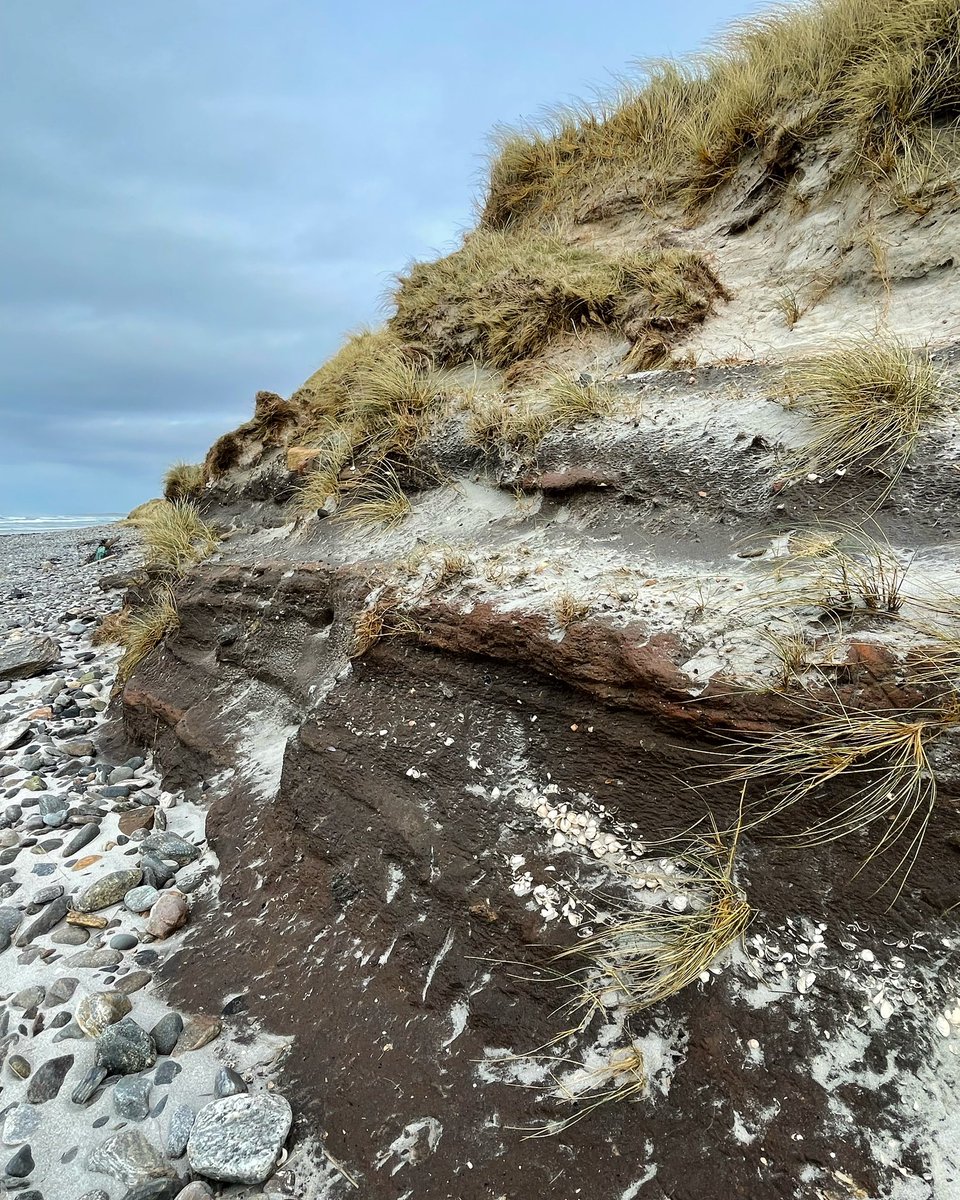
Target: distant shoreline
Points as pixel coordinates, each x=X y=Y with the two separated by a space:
x=56 y=524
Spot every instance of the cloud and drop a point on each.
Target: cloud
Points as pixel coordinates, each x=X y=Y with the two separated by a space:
x=200 y=200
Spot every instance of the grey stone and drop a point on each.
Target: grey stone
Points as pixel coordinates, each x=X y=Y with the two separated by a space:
x=131 y=1098
x=88 y=1085
x=102 y=957
x=52 y=915
x=155 y=1189
x=71 y=935
x=84 y=835
x=53 y=891
x=166 y=1031
x=80 y=748
x=108 y=889
x=97 y=1194
x=195 y=1191
x=124 y=1048
x=60 y=991
x=130 y=1158
x=238 y=1139
x=48 y=1079
x=21 y=1121
x=228 y=1083
x=164 y=844
x=166 y=1072
x=122 y=941
x=121 y=774
x=140 y=899
x=180 y=1125
x=189 y=878
x=10 y=918
x=68 y=1032
x=128 y=984
x=22 y=1164
x=155 y=873
x=14 y=733
x=26 y=657
x=53 y=809
x=98 y=1011
x=31 y=997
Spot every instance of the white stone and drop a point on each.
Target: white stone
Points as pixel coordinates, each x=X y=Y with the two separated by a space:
x=237 y=1139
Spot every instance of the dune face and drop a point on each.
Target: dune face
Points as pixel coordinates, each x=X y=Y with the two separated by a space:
x=573 y=682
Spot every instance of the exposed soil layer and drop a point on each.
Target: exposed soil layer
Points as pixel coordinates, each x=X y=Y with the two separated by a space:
x=368 y=906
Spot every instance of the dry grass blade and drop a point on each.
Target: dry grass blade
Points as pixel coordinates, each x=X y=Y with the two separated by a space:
x=183 y=481
x=145 y=629
x=568 y=609
x=869 y=401
x=791 y=649
x=379 y=620
x=886 y=756
x=176 y=536
x=375 y=497
x=110 y=631
x=622 y=1079
x=650 y=953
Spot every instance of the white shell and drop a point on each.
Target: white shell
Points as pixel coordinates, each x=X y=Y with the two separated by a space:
x=943 y=1026
x=867 y=955
x=886 y=1010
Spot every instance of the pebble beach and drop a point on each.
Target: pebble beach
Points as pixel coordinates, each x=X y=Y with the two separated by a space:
x=107 y=1092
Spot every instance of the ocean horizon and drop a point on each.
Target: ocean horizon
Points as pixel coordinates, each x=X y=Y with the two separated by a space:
x=56 y=523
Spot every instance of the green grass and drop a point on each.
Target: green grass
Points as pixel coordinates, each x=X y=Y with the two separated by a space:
x=880 y=77
x=869 y=402
x=505 y=296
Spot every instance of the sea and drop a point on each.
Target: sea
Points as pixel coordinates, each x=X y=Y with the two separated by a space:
x=56 y=524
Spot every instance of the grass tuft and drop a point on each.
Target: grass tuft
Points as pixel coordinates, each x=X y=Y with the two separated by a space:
x=184 y=481
x=650 y=953
x=379 y=620
x=878 y=77
x=375 y=497
x=886 y=756
x=505 y=296
x=145 y=629
x=869 y=402
x=176 y=536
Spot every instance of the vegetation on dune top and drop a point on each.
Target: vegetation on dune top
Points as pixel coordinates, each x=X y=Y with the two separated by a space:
x=505 y=296
x=882 y=77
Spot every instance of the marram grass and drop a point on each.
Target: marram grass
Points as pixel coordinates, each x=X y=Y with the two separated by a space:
x=880 y=79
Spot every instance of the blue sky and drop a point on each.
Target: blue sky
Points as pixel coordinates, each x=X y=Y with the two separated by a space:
x=201 y=198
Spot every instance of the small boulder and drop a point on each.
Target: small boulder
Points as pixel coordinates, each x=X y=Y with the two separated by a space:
x=238 y=1139
x=25 y=657
x=168 y=914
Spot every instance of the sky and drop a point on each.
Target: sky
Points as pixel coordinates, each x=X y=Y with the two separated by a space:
x=201 y=198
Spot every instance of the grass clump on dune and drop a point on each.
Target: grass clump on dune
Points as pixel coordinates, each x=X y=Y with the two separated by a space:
x=369 y=408
x=184 y=481
x=505 y=296
x=176 y=536
x=520 y=424
x=869 y=401
x=882 y=77
x=145 y=629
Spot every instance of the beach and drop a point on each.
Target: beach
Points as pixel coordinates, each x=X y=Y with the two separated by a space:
x=108 y=1094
